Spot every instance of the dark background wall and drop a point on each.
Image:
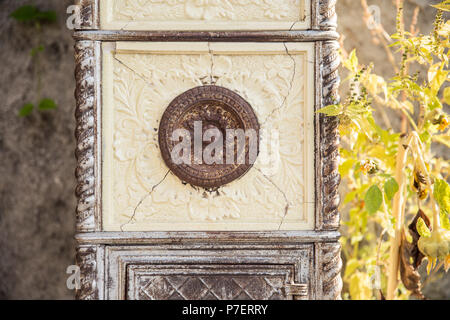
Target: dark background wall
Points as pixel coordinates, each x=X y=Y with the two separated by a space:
x=37 y=161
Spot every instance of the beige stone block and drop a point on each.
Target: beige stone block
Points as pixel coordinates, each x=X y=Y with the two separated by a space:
x=140 y=79
x=205 y=14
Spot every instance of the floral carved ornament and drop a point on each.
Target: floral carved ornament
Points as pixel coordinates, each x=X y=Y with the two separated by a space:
x=145 y=192
x=248 y=10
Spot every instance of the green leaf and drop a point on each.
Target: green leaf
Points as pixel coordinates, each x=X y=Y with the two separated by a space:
x=390 y=188
x=47 y=104
x=32 y=13
x=331 y=110
x=46 y=16
x=35 y=51
x=442 y=195
x=445 y=5
x=25 y=13
x=373 y=199
x=26 y=110
x=422 y=228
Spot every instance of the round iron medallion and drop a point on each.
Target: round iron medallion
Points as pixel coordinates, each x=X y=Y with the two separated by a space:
x=196 y=111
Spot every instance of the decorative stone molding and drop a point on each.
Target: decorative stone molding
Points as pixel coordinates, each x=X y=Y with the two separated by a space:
x=318 y=14
x=276 y=193
x=205 y=15
x=90 y=261
x=327 y=17
x=96 y=245
x=87 y=14
x=192 y=272
x=330 y=270
x=329 y=146
x=85 y=133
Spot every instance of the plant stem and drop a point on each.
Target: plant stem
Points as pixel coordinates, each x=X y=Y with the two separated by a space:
x=411 y=120
x=436 y=218
x=398 y=212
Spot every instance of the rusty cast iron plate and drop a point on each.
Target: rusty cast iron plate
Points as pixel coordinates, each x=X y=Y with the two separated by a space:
x=215 y=107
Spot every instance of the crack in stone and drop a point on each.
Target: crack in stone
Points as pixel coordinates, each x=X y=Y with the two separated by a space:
x=212 y=64
x=286 y=208
x=290 y=86
x=137 y=73
x=126 y=25
x=304 y=17
x=143 y=199
x=292 y=26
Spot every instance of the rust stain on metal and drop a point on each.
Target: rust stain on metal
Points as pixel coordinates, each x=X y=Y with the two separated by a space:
x=216 y=108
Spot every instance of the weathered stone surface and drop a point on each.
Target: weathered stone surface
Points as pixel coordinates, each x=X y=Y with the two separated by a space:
x=37 y=202
x=37 y=160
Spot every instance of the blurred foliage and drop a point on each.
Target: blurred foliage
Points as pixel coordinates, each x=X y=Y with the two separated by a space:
x=395 y=184
x=35 y=18
x=33 y=14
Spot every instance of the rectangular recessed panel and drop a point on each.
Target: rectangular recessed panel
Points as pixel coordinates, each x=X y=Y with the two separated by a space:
x=165 y=273
x=209 y=282
x=205 y=15
x=139 y=82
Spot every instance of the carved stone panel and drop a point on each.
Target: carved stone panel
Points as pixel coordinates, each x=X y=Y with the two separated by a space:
x=147 y=229
x=208 y=283
x=151 y=274
x=140 y=80
x=205 y=15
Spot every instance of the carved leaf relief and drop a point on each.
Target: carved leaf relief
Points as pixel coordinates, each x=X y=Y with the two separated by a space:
x=143 y=13
x=146 y=196
x=246 y=10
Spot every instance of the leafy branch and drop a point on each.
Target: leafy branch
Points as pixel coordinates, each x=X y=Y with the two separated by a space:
x=388 y=224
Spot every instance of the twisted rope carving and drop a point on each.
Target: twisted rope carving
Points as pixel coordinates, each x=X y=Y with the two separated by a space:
x=331 y=271
x=87 y=14
x=85 y=135
x=329 y=146
x=331 y=263
x=327 y=14
x=86 y=259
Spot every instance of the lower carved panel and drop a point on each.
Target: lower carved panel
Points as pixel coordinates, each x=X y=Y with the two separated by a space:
x=209 y=283
x=171 y=273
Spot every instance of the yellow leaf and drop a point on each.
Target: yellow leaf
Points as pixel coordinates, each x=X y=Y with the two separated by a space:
x=445 y=5
x=331 y=110
x=351 y=266
x=432 y=72
x=359 y=287
x=445 y=29
x=352 y=62
x=447 y=95
x=422 y=228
